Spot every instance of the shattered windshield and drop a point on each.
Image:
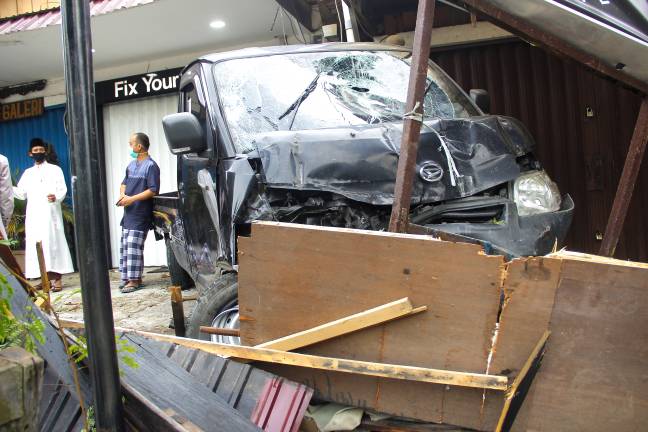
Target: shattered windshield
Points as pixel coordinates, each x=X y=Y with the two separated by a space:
x=325 y=90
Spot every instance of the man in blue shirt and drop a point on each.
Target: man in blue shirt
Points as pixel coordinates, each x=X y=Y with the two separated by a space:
x=140 y=185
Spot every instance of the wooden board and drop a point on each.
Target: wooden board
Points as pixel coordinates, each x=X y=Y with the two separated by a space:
x=345 y=325
x=529 y=288
x=355 y=367
x=169 y=387
x=293 y=277
x=593 y=377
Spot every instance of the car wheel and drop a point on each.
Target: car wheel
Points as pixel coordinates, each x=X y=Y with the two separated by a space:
x=179 y=277
x=217 y=307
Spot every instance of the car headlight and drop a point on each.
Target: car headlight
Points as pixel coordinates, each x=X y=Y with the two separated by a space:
x=534 y=192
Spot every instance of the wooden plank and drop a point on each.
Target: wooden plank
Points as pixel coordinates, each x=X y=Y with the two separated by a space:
x=177 y=310
x=45 y=282
x=505 y=418
x=144 y=415
x=323 y=274
x=626 y=182
x=529 y=289
x=220 y=331
x=369 y=318
x=593 y=373
x=398 y=372
x=160 y=381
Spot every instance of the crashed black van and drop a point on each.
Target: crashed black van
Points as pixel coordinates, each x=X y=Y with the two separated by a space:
x=311 y=134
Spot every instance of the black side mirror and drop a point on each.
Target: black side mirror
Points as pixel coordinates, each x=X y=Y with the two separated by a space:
x=481 y=99
x=184 y=134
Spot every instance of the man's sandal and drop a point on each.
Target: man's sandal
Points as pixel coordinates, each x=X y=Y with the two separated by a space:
x=129 y=288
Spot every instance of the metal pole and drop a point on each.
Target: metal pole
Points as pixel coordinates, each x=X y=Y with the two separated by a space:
x=86 y=186
x=412 y=126
x=626 y=182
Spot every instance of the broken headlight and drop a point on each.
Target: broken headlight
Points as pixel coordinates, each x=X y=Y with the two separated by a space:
x=534 y=192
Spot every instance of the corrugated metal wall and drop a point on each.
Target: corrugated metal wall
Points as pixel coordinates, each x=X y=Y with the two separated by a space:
x=15 y=136
x=582 y=124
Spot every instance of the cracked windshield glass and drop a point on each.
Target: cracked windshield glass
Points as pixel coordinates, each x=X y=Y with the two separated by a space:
x=326 y=90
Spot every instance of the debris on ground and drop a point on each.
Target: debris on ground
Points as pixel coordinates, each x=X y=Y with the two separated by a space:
x=148 y=308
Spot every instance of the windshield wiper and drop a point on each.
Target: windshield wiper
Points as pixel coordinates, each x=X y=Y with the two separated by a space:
x=302 y=97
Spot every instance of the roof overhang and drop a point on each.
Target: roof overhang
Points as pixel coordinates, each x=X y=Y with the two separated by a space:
x=570 y=31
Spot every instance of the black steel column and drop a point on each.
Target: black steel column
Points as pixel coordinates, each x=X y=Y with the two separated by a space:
x=86 y=188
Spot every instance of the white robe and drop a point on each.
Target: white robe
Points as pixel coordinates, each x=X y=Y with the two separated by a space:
x=44 y=221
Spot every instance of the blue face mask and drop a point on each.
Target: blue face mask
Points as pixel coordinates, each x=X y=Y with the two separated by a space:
x=134 y=155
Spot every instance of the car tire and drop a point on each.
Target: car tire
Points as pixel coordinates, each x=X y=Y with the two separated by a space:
x=179 y=277
x=214 y=302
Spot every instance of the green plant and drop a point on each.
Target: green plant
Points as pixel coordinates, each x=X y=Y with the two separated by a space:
x=90 y=420
x=25 y=332
x=79 y=352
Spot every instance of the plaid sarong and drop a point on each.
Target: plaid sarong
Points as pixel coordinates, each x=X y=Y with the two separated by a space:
x=131 y=254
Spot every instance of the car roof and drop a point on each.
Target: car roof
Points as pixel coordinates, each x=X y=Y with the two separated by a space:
x=298 y=49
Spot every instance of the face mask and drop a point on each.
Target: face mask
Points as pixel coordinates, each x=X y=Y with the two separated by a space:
x=38 y=157
x=134 y=155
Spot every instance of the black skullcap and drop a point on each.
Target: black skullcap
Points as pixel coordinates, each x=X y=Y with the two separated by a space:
x=37 y=142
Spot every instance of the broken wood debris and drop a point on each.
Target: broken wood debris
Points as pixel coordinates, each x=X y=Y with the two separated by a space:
x=219 y=331
x=399 y=372
x=177 y=310
x=369 y=318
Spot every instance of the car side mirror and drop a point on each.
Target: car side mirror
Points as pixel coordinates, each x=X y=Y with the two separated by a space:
x=184 y=134
x=481 y=99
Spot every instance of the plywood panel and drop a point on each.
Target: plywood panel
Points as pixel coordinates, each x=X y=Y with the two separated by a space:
x=594 y=373
x=529 y=290
x=324 y=274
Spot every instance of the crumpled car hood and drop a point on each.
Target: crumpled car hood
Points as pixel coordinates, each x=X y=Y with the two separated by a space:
x=459 y=157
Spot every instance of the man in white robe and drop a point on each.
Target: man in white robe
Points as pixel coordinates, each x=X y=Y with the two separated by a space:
x=43 y=186
x=6 y=196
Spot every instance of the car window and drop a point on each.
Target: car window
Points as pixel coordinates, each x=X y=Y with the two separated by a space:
x=324 y=90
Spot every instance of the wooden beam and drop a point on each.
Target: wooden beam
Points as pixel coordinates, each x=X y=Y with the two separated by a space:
x=177 y=310
x=371 y=317
x=627 y=182
x=220 y=331
x=513 y=389
x=462 y=34
x=412 y=122
x=410 y=373
x=45 y=282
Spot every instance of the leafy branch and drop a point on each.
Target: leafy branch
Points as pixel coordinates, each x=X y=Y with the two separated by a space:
x=25 y=332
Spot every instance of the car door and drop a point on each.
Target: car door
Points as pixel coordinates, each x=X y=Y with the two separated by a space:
x=197 y=184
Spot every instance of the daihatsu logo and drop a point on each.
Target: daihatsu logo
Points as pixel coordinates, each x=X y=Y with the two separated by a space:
x=431 y=172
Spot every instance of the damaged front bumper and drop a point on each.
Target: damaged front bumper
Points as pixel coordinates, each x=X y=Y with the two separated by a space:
x=516 y=235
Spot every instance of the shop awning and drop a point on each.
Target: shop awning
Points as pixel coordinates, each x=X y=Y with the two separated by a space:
x=52 y=17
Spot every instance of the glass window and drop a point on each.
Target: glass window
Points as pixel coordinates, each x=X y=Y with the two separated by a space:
x=326 y=90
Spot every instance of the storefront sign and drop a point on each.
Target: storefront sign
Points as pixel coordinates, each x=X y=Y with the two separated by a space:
x=22 y=109
x=137 y=86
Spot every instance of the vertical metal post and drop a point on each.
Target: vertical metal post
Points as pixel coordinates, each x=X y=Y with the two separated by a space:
x=92 y=258
x=626 y=182
x=412 y=126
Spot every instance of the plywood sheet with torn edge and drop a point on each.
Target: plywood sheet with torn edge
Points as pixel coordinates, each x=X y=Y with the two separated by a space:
x=593 y=376
x=292 y=277
x=529 y=289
